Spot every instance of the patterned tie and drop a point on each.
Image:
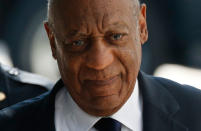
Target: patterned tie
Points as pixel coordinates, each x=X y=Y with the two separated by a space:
x=108 y=124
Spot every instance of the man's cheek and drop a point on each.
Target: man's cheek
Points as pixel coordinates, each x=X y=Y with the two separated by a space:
x=128 y=56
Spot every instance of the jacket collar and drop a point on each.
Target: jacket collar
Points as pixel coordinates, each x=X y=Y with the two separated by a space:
x=47 y=109
x=159 y=106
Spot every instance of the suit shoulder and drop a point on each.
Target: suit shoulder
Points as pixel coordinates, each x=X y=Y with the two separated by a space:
x=179 y=89
x=188 y=97
x=24 y=106
x=22 y=114
x=186 y=100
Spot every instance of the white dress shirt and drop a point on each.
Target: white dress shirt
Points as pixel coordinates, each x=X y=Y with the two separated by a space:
x=70 y=117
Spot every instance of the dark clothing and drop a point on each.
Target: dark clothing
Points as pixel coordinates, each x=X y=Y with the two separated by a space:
x=167 y=106
x=17 y=85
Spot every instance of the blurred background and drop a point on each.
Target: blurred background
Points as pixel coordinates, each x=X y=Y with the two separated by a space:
x=173 y=49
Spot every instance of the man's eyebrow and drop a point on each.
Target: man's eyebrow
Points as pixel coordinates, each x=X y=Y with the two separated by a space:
x=76 y=33
x=117 y=25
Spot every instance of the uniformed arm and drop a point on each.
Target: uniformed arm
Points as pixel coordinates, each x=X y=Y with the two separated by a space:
x=17 y=85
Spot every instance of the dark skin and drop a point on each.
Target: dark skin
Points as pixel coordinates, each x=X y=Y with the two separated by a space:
x=97 y=44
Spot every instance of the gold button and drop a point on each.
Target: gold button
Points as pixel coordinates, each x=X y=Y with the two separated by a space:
x=2 y=96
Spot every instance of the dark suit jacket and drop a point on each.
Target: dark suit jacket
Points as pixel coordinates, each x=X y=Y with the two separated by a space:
x=167 y=106
x=17 y=85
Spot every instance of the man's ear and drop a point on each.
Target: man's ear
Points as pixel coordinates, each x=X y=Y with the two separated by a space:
x=51 y=39
x=143 y=24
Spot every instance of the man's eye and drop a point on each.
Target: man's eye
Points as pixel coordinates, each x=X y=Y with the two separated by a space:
x=76 y=46
x=116 y=36
x=78 y=43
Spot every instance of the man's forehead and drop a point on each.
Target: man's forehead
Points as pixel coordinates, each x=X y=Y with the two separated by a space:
x=83 y=13
x=94 y=5
x=113 y=26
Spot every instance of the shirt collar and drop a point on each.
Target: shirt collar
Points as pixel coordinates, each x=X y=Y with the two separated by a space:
x=130 y=114
x=68 y=115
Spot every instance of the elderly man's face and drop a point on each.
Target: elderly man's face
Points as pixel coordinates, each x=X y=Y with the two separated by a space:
x=97 y=44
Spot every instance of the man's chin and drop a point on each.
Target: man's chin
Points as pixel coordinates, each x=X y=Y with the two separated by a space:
x=104 y=106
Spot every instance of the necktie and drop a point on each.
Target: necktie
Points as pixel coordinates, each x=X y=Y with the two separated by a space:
x=108 y=124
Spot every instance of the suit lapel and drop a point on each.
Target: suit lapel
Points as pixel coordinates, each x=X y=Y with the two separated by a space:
x=159 y=106
x=45 y=117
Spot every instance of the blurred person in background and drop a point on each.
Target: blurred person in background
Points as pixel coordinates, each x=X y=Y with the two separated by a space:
x=97 y=44
x=17 y=85
x=21 y=27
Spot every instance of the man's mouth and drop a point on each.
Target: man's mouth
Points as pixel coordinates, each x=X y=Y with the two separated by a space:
x=98 y=83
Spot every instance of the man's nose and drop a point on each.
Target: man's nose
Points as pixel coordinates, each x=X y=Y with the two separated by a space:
x=100 y=55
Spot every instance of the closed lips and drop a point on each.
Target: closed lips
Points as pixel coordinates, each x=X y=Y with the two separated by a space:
x=100 y=82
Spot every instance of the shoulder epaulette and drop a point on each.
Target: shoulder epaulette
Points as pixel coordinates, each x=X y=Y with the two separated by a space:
x=26 y=77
